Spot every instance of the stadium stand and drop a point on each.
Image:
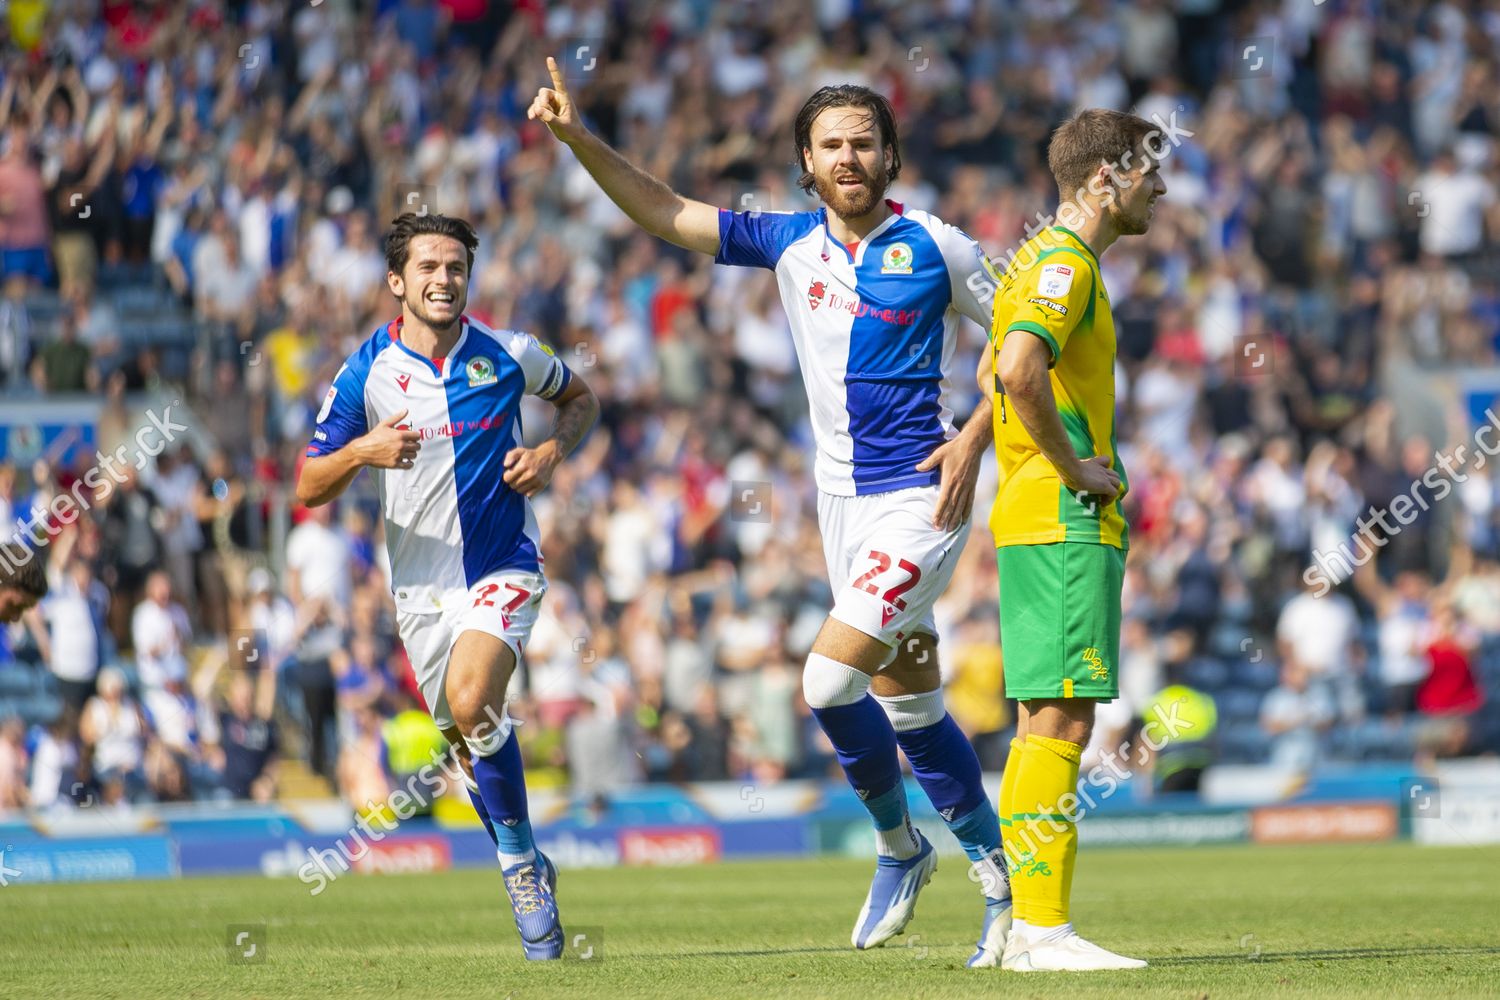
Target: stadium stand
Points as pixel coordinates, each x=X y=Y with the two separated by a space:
x=208 y=185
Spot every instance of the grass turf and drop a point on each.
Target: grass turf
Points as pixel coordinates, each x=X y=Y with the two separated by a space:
x=1386 y=920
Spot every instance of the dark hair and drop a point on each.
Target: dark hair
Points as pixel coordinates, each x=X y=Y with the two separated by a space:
x=1091 y=139
x=405 y=227
x=20 y=569
x=845 y=95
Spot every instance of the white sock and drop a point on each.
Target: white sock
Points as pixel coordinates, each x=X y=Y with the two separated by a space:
x=511 y=860
x=899 y=842
x=1047 y=935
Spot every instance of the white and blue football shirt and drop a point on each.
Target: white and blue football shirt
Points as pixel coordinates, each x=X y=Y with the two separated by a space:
x=451 y=519
x=875 y=331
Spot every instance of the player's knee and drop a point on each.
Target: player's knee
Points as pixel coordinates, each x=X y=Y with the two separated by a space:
x=1069 y=719
x=484 y=733
x=827 y=683
x=472 y=706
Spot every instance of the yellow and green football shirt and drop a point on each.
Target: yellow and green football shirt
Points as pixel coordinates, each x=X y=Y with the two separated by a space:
x=1052 y=289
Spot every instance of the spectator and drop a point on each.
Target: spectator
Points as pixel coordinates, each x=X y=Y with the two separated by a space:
x=1297 y=715
x=24 y=230
x=318 y=639
x=1401 y=612
x=67 y=361
x=224 y=285
x=317 y=562
x=1449 y=689
x=13 y=764
x=55 y=763
x=272 y=619
x=1459 y=205
x=1320 y=634
x=160 y=633
x=69 y=638
x=359 y=685
x=177 y=487
x=114 y=730
x=247 y=744
x=975 y=690
x=132 y=545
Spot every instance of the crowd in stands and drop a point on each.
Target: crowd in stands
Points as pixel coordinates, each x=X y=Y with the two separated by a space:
x=192 y=196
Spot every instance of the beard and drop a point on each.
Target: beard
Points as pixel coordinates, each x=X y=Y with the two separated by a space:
x=853 y=204
x=1128 y=223
x=418 y=308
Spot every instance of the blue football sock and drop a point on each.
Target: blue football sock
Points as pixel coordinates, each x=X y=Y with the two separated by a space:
x=484 y=813
x=502 y=786
x=944 y=763
x=865 y=743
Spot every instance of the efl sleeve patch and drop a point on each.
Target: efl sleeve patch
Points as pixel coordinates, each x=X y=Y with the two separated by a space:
x=341 y=418
x=333 y=393
x=1055 y=280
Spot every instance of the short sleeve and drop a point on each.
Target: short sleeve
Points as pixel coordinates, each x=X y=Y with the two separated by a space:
x=546 y=375
x=758 y=239
x=972 y=279
x=342 y=416
x=1052 y=297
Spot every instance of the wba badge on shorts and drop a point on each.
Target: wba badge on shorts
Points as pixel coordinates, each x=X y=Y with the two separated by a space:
x=481 y=371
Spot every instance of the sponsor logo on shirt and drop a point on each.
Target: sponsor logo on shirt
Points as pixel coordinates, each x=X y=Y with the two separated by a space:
x=897 y=259
x=461 y=427
x=818 y=294
x=403 y=380
x=1057 y=307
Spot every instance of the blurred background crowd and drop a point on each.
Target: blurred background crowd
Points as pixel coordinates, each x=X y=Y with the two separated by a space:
x=192 y=196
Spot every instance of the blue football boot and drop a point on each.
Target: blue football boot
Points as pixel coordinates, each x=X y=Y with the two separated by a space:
x=893 y=896
x=532 y=887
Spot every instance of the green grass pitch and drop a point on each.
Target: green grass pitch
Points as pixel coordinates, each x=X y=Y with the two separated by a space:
x=1387 y=920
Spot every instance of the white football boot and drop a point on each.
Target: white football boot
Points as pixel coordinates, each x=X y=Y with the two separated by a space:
x=1068 y=953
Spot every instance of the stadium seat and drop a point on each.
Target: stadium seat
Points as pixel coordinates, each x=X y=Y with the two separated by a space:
x=113 y=276
x=1240 y=743
x=17 y=681
x=1238 y=703
x=1206 y=673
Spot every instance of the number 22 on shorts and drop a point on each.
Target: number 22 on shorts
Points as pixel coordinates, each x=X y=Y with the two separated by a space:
x=882 y=565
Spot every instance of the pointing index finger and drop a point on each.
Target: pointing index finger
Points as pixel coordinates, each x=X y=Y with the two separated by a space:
x=557 y=77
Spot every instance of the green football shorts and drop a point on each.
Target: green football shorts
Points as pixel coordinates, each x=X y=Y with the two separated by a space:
x=1060 y=619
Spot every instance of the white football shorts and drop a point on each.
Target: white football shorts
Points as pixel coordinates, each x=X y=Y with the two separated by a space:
x=503 y=605
x=887 y=564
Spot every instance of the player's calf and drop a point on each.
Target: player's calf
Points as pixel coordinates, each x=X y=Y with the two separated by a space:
x=945 y=765
x=478 y=672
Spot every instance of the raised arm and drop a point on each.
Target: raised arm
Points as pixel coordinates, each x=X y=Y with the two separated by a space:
x=652 y=205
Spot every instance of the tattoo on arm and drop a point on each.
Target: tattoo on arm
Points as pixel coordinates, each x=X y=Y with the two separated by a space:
x=574 y=418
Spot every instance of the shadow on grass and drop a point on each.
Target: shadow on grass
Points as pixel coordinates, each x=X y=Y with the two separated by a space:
x=1225 y=958
x=1320 y=955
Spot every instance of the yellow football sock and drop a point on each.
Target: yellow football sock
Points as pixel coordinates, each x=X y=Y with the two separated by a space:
x=1043 y=839
x=1007 y=801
